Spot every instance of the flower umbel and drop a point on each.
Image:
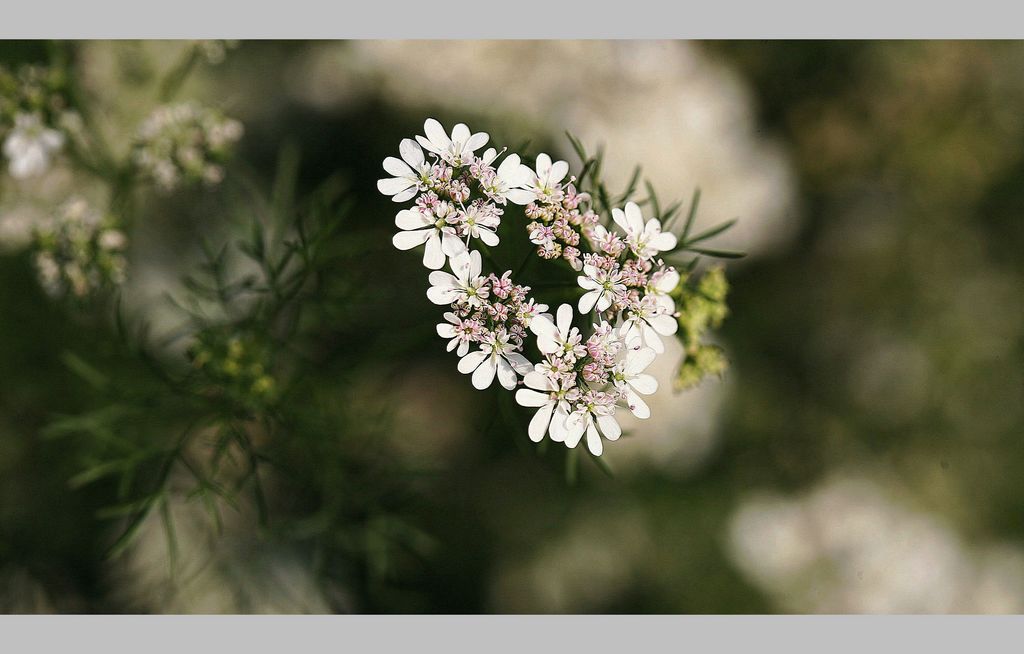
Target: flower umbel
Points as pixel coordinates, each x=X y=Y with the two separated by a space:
x=594 y=362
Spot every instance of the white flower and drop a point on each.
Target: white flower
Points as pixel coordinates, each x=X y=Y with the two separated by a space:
x=548 y=395
x=458 y=149
x=495 y=356
x=433 y=230
x=544 y=184
x=601 y=285
x=466 y=285
x=660 y=285
x=411 y=173
x=645 y=321
x=594 y=420
x=563 y=339
x=628 y=376
x=508 y=180
x=458 y=330
x=30 y=145
x=481 y=222
x=645 y=240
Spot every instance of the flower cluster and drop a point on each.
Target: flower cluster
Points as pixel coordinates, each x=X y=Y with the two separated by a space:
x=79 y=251
x=184 y=143
x=33 y=108
x=628 y=291
x=489 y=313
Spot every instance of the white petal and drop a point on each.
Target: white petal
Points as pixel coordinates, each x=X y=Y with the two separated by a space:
x=604 y=301
x=506 y=375
x=442 y=295
x=645 y=384
x=520 y=196
x=634 y=218
x=594 y=443
x=411 y=152
x=526 y=397
x=663 y=241
x=393 y=185
x=637 y=405
x=476 y=142
x=460 y=134
x=609 y=427
x=475 y=266
x=433 y=256
x=443 y=279
x=539 y=423
x=509 y=167
x=564 y=319
x=557 y=429
x=519 y=363
x=668 y=282
x=471 y=361
x=410 y=219
x=409 y=240
x=397 y=167
x=575 y=425
x=407 y=194
x=558 y=172
x=446 y=330
x=439 y=141
x=452 y=245
x=542 y=326
x=543 y=166
x=538 y=381
x=587 y=301
x=651 y=338
x=620 y=219
x=488 y=237
x=664 y=324
x=638 y=360
x=484 y=375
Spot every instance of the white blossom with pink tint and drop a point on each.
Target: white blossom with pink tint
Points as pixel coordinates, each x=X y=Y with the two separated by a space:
x=629 y=378
x=456 y=149
x=601 y=287
x=410 y=174
x=644 y=239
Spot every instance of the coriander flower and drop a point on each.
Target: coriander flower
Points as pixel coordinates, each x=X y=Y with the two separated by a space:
x=646 y=320
x=458 y=149
x=545 y=183
x=434 y=230
x=507 y=182
x=595 y=417
x=496 y=356
x=645 y=240
x=461 y=332
x=629 y=378
x=30 y=145
x=548 y=394
x=660 y=285
x=411 y=173
x=481 y=221
x=562 y=339
x=466 y=285
x=601 y=285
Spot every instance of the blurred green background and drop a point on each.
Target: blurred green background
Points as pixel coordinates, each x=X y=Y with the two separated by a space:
x=863 y=453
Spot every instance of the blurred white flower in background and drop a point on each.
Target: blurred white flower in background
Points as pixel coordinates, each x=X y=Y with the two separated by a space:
x=30 y=146
x=851 y=546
